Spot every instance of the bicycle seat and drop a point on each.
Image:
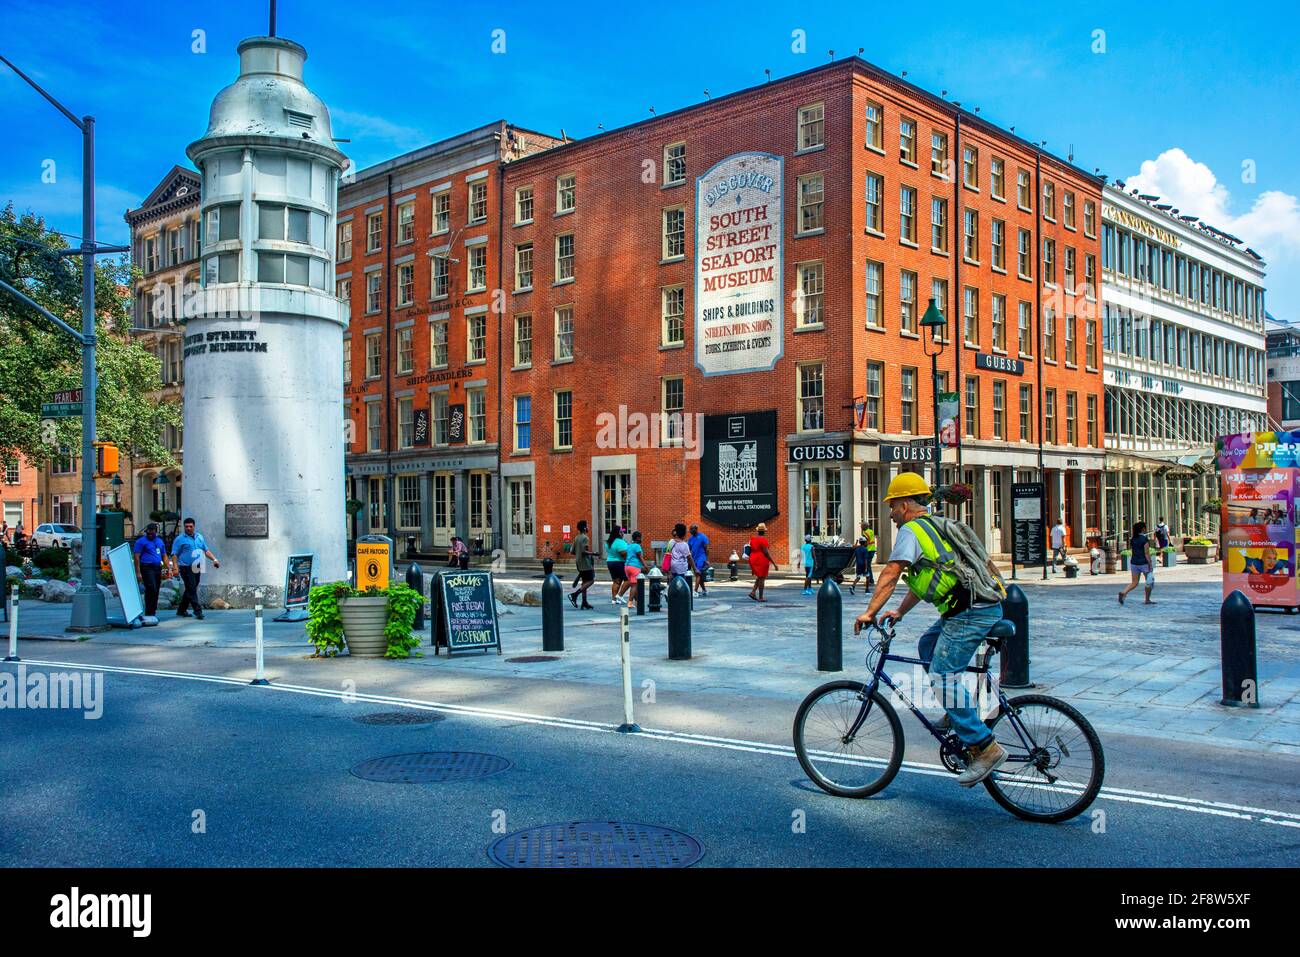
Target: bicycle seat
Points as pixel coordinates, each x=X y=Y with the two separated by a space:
x=1000 y=632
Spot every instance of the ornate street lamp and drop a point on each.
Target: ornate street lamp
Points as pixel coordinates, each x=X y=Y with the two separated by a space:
x=934 y=321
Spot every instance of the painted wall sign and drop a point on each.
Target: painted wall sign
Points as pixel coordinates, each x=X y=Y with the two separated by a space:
x=822 y=452
x=739 y=209
x=738 y=469
x=999 y=363
x=223 y=340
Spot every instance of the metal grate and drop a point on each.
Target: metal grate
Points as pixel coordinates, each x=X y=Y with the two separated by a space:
x=529 y=659
x=430 y=767
x=399 y=717
x=596 y=844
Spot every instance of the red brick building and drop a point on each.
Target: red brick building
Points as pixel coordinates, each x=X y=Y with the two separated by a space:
x=756 y=267
x=19 y=495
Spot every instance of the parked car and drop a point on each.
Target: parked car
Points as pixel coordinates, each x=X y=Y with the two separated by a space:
x=54 y=535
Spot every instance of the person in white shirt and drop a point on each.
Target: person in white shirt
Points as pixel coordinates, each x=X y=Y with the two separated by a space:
x=1058 y=542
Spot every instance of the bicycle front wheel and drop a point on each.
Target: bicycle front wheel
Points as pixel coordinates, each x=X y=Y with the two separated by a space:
x=845 y=766
x=1055 y=764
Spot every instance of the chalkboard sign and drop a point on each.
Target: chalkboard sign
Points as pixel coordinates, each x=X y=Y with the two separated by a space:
x=466 y=616
x=1027 y=511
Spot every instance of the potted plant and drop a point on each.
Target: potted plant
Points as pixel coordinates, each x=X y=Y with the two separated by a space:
x=1199 y=551
x=369 y=623
x=1123 y=559
x=1170 y=556
x=958 y=493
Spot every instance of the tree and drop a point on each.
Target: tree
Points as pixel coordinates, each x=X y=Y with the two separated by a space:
x=36 y=358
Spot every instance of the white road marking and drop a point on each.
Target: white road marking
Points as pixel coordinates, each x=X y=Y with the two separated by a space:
x=1123 y=795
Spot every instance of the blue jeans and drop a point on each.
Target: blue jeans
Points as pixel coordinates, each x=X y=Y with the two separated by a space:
x=949 y=645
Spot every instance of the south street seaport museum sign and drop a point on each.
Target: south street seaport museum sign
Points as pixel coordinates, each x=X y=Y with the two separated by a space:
x=738 y=244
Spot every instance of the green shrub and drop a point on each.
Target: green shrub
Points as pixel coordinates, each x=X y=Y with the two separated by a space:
x=1200 y=541
x=325 y=626
x=54 y=559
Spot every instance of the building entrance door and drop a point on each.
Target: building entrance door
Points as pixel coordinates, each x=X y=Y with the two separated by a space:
x=822 y=501
x=616 y=501
x=444 y=508
x=521 y=541
x=480 y=511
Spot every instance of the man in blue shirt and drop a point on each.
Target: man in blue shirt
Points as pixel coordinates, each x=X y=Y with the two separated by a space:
x=188 y=550
x=699 y=543
x=150 y=552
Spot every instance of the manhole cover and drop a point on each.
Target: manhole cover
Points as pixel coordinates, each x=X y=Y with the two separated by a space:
x=596 y=844
x=529 y=659
x=430 y=767
x=399 y=717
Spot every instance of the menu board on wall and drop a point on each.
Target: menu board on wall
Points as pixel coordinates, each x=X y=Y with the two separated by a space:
x=1259 y=484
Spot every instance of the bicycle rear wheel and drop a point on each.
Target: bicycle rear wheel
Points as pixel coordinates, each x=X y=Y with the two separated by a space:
x=1055 y=763
x=848 y=768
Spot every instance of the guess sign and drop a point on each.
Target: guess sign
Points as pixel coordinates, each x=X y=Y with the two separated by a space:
x=997 y=363
x=829 y=452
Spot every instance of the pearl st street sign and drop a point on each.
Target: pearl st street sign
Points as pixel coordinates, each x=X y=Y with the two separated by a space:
x=62 y=405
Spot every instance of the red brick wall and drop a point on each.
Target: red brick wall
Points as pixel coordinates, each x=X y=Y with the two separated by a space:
x=25 y=490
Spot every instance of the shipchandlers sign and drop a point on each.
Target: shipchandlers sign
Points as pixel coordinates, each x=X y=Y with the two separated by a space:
x=738 y=247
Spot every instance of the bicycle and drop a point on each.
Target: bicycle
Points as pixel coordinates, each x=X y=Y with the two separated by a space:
x=1054 y=754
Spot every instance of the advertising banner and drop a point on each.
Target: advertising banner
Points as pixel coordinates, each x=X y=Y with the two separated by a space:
x=1259 y=482
x=948 y=405
x=738 y=283
x=738 y=469
x=1028 y=540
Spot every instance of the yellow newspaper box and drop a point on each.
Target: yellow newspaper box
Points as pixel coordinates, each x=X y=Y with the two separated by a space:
x=373 y=562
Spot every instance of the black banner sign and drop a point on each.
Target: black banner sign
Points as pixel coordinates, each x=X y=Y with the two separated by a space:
x=738 y=469
x=421 y=427
x=1030 y=547
x=456 y=423
x=466 y=616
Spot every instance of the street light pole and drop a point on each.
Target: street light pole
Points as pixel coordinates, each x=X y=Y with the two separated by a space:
x=934 y=321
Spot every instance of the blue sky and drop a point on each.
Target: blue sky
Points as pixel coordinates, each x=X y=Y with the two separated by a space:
x=1205 y=94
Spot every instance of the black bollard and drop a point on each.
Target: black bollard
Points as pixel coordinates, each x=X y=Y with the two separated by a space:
x=640 y=594
x=548 y=566
x=679 y=619
x=830 y=627
x=1015 y=651
x=552 y=614
x=415 y=579
x=1237 y=647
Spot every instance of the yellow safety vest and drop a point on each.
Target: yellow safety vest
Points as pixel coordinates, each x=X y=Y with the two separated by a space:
x=870 y=536
x=931 y=577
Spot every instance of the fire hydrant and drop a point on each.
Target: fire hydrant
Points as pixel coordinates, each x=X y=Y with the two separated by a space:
x=733 y=565
x=1094 y=567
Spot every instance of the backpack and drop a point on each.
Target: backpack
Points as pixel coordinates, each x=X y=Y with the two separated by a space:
x=971 y=561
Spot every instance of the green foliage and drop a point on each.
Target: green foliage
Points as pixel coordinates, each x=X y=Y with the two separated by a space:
x=325 y=626
x=1213 y=506
x=1199 y=541
x=1169 y=550
x=403 y=603
x=36 y=358
x=353 y=505
x=53 y=558
x=12 y=557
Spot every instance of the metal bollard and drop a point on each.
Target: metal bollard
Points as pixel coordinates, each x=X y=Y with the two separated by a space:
x=260 y=677
x=1015 y=651
x=640 y=594
x=1237 y=648
x=830 y=627
x=12 y=599
x=679 y=619
x=415 y=580
x=552 y=614
x=548 y=566
x=629 y=726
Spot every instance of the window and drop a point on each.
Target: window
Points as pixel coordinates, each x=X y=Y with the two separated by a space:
x=907 y=141
x=812 y=195
x=939 y=293
x=1089 y=219
x=1023 y=268
x=374 y=290
x=442 y=212
x=406 y=284
x=1069 y=270
x=810 y=397
x=523 y=205
x=808 y=304
x=408 y=501
x=997 y=244
x=674 y=233
x=907 y=301
x=1092 y=421
x=223 y=225
x=564 y=257
x=875 y=203
x=563 y=430
x=476 y=266
x=999 y=317
x=347 y=360
x=441 y=425
x=1090 y=275
x=374 y=356
x=1090 y=343
x=477 y=400
x=440 y=277
x=405 y=352
x=673 y=315
x=523 y=341
x=343 y=292
x=875 y=393
x=11 y=472
x=1049 y=334
x=563 y=333
x=907 y=215
x=524 y=266
x=406 y=223
x=875 y=126
x=907 y=399
x=1067 y=209
x=1024 y=194
x=1023 y=326
x=998 y=177
x=1049 y=416
x=999 y=409
x=1049 y=262
x=939 y=154
x=939 y=224
x=405 y=424
x=1071 y=342
x=374 y=232
x=437 y=343
x=476 y=338
x=971 y=248
x=674 y=164
x=566 y=190
x=972 y=407
x=478 y=202
x=875 y=274
x=374 y=431
x=1026 y=412
x=523 y=423
x=345 y=241
x=1049 y=201
x=672 y=405
x=812 y=126
x=971 y=315
x=1071 y=418
x=275 y=221
x=970 y=162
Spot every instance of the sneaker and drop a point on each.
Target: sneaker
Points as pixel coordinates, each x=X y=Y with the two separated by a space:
x=573 y=599
x=984 y=761
x=586 y=607
x=183 y=614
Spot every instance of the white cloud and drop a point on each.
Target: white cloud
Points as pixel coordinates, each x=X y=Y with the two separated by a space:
x=364 y=129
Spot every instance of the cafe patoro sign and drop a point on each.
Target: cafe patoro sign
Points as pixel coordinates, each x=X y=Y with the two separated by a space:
x=738 y=245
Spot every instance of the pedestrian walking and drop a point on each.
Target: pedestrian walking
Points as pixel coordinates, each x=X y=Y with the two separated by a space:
x=861 y=566
x=761 y=561
x=4 y=532
x=806 y=557
x=189 y=549
x=586 y=570
x=632 y=566
x=869 y=534
x=1139 y=563
x=680 y=560
x=150 y=552
x=1058 y=542
x=20 y=539
x=699 y=545
x=1162 y=534
x=615 y=561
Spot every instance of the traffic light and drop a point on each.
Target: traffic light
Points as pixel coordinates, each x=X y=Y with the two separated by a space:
x=106 y=459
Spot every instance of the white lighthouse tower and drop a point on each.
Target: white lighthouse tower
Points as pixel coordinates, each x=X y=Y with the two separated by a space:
x=263 y=344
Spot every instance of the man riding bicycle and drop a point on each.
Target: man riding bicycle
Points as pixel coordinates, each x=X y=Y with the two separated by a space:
x=925 y=559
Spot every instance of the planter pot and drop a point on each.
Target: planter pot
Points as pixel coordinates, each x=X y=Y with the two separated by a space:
x=363 y=624
x=1123 y=563
x=1171 y=559
x=1199 y=554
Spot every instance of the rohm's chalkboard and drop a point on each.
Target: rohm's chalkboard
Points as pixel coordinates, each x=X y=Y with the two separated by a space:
x=466 y=616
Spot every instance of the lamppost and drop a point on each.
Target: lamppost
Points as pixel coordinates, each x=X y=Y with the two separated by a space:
x=88 y=612
x=934 y=321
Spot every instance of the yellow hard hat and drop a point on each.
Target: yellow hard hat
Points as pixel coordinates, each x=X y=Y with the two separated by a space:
x=907 y=485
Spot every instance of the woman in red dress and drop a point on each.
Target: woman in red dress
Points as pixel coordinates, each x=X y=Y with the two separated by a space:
x=760 y=561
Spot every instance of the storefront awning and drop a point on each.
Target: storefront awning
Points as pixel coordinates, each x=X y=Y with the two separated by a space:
x=1174 y=461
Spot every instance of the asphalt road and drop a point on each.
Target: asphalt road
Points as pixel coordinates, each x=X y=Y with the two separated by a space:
x=269 y=770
